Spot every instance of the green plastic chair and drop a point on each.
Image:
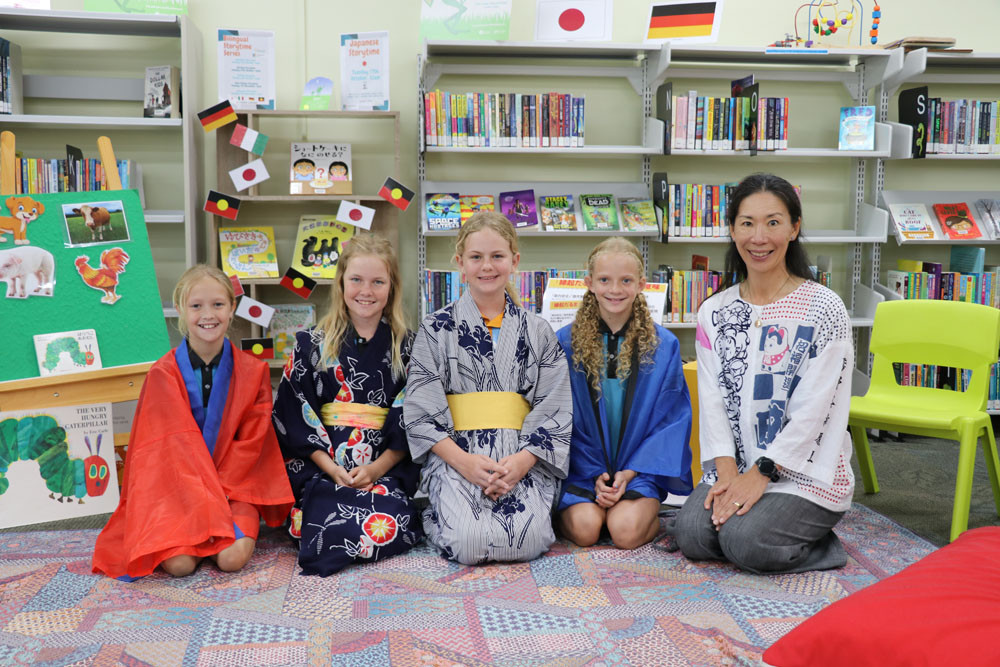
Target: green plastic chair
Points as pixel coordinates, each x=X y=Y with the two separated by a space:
x=945 y=333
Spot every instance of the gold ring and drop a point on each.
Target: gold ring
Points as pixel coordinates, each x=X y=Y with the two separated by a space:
x=738 y=505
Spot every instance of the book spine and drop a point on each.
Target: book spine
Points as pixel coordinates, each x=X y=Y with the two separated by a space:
x=532 y=112
x=784 y=124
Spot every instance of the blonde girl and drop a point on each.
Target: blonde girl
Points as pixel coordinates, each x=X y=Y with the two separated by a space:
x=338 y=417
x=631 y=411
x=203 y=465
x=487 y=410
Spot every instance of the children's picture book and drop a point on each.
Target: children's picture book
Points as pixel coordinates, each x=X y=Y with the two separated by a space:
x=558 y=213
x=444 y=211
x=162 y=87
x=318 y=244
x=857 y=128
x=967 y=259
x=248 y=252
x=957 y=222
x=472 y=204
x=599 y=213
x=638 y=215
x=67 y=352
x=289 y=319
x=913 y=222
x=320 y=169
x=989 y=214
x=519 y=207
x=66 y=467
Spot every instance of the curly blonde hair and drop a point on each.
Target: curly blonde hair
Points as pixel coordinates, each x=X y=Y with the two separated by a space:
x=498 y=223
x=334 y=324
x=587 y=341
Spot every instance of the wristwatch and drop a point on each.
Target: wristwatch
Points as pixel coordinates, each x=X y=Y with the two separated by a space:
x=768 y=468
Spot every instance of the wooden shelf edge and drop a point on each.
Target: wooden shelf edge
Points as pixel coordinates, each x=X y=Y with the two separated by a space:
x=115 y=384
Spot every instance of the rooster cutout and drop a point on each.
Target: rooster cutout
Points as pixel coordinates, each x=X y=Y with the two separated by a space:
x=105 y=279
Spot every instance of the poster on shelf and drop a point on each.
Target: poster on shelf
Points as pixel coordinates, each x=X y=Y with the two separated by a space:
x=246 y=68
x=123 y=6
x=316 y=94
x=582 y=20
x=469 y=20
x=364 y=71
x=563 y=297
x=30 y=4
x=61 y=464
x=684 y=21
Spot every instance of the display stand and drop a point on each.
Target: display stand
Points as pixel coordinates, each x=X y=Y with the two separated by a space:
x=115 y=384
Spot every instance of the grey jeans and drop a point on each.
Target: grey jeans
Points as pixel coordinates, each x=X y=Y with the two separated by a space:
x=781 y=533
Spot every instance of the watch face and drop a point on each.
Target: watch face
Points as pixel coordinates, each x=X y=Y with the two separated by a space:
x=767 y=468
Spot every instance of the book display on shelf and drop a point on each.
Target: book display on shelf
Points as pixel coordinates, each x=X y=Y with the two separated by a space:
x=320 y=169
x=963 y=126
x=160 y=88
x=697 y=210
x=557 y=213
x=729 y=123
x=857 y=129
x=472 y=204
x=519 y=207
x=11 y=77
x=957 y=222
x=248 y=252
x=444 y=211
x=638 y=215
x=288 y=320
x=318 y=244
x=912 y=222
x=989 y=215
x=599 y=213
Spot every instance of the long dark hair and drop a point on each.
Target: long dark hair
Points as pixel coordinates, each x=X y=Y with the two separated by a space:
x=796 y=260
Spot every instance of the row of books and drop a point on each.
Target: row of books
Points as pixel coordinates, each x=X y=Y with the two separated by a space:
x=544 y=120
x=966 y=279
x=952 y=221
x=38 y=175
x=443 y=287
x=724 y=123
x=10 y=72
x=696 y=210
x=963 y=126
x=597 y=212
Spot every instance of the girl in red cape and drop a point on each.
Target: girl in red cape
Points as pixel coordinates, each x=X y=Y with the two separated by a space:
x=203 y=464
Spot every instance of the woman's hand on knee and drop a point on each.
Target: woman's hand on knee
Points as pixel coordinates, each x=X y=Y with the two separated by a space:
x=739 y=496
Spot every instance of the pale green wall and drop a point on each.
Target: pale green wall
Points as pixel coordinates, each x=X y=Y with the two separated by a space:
x=307 y=45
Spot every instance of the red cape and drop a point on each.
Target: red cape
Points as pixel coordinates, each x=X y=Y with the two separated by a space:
x=175 y=495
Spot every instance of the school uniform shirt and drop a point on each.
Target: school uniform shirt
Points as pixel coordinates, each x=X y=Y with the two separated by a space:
x=775 y=381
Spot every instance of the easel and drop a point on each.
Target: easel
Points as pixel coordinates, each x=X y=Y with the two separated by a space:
x=106 y=385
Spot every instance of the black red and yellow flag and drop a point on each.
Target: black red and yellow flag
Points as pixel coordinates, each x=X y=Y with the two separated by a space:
x=262 y=348
x=227 y=206
x=215 y=117
x=396 y=193
x=676 y=20
x=298 y=282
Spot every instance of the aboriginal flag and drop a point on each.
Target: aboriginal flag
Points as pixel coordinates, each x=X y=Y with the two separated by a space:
x=262 y=348
x=396 y=193
x=687 y=19
x=298 y=282
x=225 y=205
x=215 y=117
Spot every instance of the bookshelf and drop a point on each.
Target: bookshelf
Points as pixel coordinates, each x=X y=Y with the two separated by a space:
x=375 y=143
x=82 y=76
x=621 y=136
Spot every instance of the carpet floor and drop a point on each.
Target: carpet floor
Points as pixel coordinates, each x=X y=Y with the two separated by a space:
x=570 y=607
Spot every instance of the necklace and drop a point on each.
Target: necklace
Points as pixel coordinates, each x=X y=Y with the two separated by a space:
x=758 y=321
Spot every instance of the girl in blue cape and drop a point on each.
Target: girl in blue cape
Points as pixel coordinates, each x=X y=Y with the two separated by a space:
x=631 y=411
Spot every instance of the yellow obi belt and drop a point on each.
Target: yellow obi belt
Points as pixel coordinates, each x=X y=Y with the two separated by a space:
x=358 y=415
x=488 y=409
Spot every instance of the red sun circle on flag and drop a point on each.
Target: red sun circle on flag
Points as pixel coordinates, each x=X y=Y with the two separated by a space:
x=255 y=311
x=355 y=214
x=571 y=19
x=249 y=174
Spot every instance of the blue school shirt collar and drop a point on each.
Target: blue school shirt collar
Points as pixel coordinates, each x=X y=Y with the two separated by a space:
x=210 y=420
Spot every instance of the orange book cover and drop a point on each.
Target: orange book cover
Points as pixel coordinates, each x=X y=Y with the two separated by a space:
x=957 y=221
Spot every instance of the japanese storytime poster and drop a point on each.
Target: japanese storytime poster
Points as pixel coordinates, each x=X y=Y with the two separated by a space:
x=56 y=463
x=364 y=71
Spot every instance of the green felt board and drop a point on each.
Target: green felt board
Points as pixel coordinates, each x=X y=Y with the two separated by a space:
x=131 y=330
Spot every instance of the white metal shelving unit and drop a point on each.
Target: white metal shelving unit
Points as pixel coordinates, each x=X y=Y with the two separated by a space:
x=86 y=87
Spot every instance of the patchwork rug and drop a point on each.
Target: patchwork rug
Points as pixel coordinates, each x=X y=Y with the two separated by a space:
x=594 y=606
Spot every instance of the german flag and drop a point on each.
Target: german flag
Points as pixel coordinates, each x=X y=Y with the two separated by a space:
x=225 y=205
x=396 y=193
x=262 y=348
x=672 y=21
x=215 y=117
x=298 y=282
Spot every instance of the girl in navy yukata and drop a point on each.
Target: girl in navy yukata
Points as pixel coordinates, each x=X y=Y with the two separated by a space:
x=631 y=410
x=338 y=416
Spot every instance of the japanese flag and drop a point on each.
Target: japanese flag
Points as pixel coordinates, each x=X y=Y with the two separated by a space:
x=255 y=311
x=352 y=214
x=249 y=174
x=586 y=20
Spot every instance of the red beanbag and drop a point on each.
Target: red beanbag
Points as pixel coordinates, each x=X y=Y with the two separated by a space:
x=942 y=610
